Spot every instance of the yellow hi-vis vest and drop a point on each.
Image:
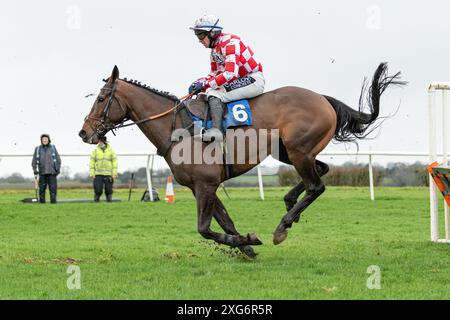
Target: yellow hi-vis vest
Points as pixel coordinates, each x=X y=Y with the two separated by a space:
x=103 y=162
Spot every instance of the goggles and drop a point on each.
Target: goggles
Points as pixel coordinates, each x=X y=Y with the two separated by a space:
x=201 y=34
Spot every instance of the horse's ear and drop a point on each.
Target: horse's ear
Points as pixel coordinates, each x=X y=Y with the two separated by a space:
x=115 y=74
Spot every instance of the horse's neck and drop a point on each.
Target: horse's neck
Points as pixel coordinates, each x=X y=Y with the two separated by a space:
x=144 y=105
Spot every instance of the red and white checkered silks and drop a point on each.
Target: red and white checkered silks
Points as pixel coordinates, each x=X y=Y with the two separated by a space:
x=230 y=59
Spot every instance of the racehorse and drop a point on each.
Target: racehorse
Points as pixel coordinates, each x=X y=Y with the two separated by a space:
x=306 y=123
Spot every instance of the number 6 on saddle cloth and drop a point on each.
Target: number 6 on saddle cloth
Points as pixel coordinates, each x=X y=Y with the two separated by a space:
x=237 y=114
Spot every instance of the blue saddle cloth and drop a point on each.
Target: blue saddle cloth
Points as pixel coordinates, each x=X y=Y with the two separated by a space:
x=237 y=114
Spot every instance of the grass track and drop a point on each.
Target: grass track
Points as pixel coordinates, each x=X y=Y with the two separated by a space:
x=134 y=250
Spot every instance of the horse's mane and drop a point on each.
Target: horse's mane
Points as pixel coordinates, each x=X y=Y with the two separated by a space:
x=164 y=94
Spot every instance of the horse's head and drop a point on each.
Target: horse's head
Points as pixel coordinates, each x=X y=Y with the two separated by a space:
x=106 y=112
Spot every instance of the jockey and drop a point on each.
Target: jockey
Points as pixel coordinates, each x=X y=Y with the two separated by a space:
x=235 y=72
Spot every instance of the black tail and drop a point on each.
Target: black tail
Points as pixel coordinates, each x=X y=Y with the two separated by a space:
x=352 y=124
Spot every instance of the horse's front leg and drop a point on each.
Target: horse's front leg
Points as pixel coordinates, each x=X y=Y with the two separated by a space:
x=206 y=204
x=223 y=218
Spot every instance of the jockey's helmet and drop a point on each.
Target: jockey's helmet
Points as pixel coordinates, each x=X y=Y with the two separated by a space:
x=207 y=25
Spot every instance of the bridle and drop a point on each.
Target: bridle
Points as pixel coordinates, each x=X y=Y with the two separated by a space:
x=103 y=119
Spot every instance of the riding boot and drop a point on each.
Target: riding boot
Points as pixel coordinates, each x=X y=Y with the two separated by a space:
x=216 y=109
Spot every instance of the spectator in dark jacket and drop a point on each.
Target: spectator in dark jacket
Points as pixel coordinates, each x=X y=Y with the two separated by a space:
x=47 y=165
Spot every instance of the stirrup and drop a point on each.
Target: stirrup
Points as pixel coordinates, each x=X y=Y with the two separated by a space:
x=213 y=133
x=199 y=135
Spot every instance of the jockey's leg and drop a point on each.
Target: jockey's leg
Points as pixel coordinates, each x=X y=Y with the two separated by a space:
x=243 y=88
x=247 y=87
x=216 y=110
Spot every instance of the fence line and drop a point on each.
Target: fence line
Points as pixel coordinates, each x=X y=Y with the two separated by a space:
x=369 y=154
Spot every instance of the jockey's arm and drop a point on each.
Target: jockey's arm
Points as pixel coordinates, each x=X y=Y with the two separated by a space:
x=231 y=71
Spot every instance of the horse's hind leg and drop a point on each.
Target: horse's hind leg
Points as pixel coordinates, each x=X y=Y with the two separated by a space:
x=224 y=220
x=290 y=199
x=305 y=165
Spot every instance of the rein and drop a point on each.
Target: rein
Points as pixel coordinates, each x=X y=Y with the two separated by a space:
x=157 y=116
x=103 y=119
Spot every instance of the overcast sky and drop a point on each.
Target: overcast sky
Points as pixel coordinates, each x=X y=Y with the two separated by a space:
x=54 y=53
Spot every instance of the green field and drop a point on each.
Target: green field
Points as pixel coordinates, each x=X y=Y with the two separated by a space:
x=133 y=250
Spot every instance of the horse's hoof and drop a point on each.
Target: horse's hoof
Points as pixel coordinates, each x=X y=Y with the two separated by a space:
x=253 y=239
x=279 y=235
x=297 y=219
x=248 y=251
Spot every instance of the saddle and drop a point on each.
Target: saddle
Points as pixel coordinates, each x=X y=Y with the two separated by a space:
x=198 y=107
x=195 y=112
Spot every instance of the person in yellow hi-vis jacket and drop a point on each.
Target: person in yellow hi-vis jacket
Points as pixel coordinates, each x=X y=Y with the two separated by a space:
x=103 y=169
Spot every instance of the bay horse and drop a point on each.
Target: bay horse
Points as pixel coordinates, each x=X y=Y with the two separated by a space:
x=306 y=123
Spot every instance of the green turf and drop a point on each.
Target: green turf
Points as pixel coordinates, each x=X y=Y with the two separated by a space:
x=133 y=250
x=253 y=180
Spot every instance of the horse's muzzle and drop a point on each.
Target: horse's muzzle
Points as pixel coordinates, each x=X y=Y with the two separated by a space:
x=83 y=135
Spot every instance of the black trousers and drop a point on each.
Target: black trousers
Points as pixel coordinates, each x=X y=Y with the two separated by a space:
x=101 y=182
x=50 y=180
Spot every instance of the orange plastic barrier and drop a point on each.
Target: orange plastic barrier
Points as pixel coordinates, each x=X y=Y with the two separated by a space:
x=441 y=177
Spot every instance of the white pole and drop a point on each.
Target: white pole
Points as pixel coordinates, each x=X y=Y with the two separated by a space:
x=149 y=177
x=372 y=191
x=444 y=151
x=433 y=157
x=260 y=182
x=439 y=86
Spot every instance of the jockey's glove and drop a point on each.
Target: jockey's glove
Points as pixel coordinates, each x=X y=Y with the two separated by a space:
x=197 y=86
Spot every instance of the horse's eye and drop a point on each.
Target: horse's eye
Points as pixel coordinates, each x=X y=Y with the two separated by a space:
x=100 y=99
